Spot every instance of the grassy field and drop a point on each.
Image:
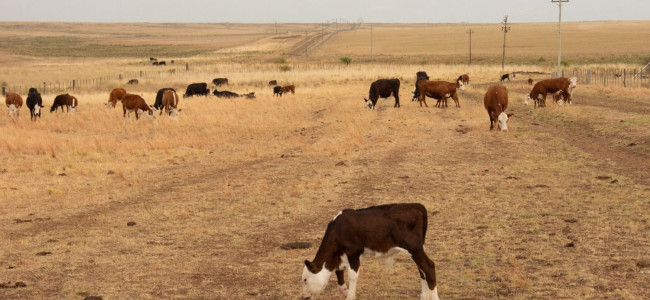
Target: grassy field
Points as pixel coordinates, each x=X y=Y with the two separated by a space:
x=555 y=208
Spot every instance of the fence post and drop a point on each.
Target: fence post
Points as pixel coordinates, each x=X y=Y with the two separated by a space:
x=141 y=74
x=74 y=84
x=4 y=92
x=187 y=66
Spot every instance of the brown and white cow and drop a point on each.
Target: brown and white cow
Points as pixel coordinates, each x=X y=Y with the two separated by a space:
x=496 y=102
x=14 y=103
x=530 y=81
x=383 y=88
x=562 y=85
x=135 y=103
x=64 y=100
x=117 y=94
x=440 y=90
x=464 y=78
x=289 y=88
x=377 y=231
x=170 y=103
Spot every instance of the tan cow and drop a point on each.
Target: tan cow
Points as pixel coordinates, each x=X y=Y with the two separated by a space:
x=14 y=103
x=496 y=102
x=117 y=94
x=170 y=103
x=439 y=90
x=135 y=103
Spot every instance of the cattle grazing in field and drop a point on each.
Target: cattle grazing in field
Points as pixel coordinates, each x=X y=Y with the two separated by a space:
x=135 y=103
x=507 y=76
x=34 y=103
x=158 y=104
x=289 y=88
x=562 y=86
x=155 y=63
x=162 y=63
x=152 y=59
x=65 y=101
x=14 y=102
x=133 y=81
x=273 y=83
x=117 y=94
x=172 y=62
x=464 y=78
x=378 y=231
x=277 y=90
x=496 y=102
x=170 y=103
x=420 y=75
x=530 y=81
x=220 y=81
x=200 y=89
x=383 y=88
x=441 y=91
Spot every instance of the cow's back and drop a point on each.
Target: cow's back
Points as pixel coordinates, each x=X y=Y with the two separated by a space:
x=15 y=99
x=496 y=98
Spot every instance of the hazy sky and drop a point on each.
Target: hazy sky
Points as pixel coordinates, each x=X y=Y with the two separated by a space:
x=309 y=11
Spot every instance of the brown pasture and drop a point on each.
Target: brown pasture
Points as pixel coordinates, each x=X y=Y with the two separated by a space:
x=198 y=207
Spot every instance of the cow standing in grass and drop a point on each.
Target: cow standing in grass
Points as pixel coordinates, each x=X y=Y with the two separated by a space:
x=34 y=103
x=495 y=101
x=14 y=102
x=170 y=103
x=441 y=91
x=383 y=88
x=135 y=103
x=561 y=86
x=420 y=75
x=117 y=94
x=193 y=89
x=158 y=104
x=64 y=101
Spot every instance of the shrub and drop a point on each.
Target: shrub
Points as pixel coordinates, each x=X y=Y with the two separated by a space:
x=285 y=68
x=564 y=63
x=346 y=60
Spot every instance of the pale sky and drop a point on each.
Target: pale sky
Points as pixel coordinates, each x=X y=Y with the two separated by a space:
x=309 y=11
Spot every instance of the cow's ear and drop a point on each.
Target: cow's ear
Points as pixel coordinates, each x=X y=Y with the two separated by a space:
x=308 y=264
x=510 y=115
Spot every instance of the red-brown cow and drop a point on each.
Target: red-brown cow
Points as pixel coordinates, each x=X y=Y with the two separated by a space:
x=496 y=102
x=170 y=103
x=563 y=86
x=14 y=103
x=117 y=94
x=464 y=78
x=289 y=88
x=439 y=90
x=135 y=103
x=64 y=100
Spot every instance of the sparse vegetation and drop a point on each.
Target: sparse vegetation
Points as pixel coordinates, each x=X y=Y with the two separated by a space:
x=346 y=60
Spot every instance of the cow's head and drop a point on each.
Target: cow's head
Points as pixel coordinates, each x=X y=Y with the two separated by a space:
x=415 y=97
x=37 y=111
x=371 y=105
x=314 y=279
x=173 y=113
x=460 y=85
x=502 y=121
x=148 y=113
x=527 y=99
x=13 y=111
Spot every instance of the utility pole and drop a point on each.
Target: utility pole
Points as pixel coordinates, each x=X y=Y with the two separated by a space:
x=559 y=38
x=505 y=29
x=470 y=31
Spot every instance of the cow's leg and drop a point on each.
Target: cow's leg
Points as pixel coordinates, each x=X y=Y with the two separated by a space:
x=423 y=98
x=343 y=289
x=427 y=270
x=353 y=276
x=455 y=97
x=396 y=99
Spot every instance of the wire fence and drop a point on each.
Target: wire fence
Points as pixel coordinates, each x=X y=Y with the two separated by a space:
x=635 y=78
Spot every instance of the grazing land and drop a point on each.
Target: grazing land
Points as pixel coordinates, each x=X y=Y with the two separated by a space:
x=199 y=207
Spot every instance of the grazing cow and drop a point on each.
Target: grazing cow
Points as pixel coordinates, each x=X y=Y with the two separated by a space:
x=170 y=103
x=464 y=78
x=379 y=231
x=383 y=88
x=530 y=81
x=420 y=75
x=441 y=91
x=496 y=102
x=152 y=58
x=117 y=94
x=135 y=103
x=562 y=86
x=35 y=103
x=507 y=76
x=14 y=103
x=220 y=81
x=277 y=90
x=197 y=89
x=273 y=83
x=158 y=104
x=162 y=63
x=172 y=62
x=64 y=100
x=289 y=88
x=133 y=81
x=155 y=63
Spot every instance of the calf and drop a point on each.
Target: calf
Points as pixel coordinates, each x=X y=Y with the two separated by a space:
x=14 y=102
x=117 y=94
x=507 y=76
x=464 y=78
x=420 y=75
x=220 y=81
x=35 y=103
x=158 y=104
x=530 y=81
x=496 y=102
x=197 y=89
x=379 y=231
x=277 y=90
x=441 y=91
x=135 y=103
x=562 y=86
x=289 y=88
x=383 y=88
x=170 y=103
x=64 y=100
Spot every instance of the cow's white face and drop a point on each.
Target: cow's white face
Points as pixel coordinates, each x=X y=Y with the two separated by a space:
x=369 y=103
x=73 y=109
x=37 y=110
x=13 y=110
x=109 y=105
x=460 y=84
x=573 y=82
x=527 y=100
x=502 y=121
x=314 y=283
x=173 y=113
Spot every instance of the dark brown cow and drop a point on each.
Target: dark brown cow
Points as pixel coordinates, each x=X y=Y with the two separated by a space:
x=379 y=231
x=273 y=83
x=220 y=81
x=507 y=76
x=496 y=102
x=420 y=75
x=117 y=94
x=441 y=91
x=14 y=103
x=289 y=88
x=64 y=100
x=135 y=103
x=133 y=81
x=383 y=88
x=170 y=103
x=464 y=79
x=562 y=86
x=530 y=81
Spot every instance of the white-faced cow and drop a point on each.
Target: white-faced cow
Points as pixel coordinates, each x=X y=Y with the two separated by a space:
x=14 y=102
x=420 y=75
x=170 y=103
x=464 y=78
x=379 y=231
x=135 y=103
x=117 y=94
x=64 y=101
x=562 y=86
x=158 y=104
x=383 y=88
x=441 y=91
x=34 y=103
x=496 y=102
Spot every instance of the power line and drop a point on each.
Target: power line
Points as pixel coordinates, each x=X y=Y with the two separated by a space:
x=559 y=37
x=505 y=29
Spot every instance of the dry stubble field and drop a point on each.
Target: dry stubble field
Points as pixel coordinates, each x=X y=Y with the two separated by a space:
x=555 y=208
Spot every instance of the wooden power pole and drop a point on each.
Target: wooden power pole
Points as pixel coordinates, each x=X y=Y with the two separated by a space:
x=505 y=29
x=559 y=37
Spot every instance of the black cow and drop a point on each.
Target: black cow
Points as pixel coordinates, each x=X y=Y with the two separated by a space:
x=420 y=75
x=220 y=81
x=133 y=81
x=277 y=90
x=197 y=89
x=159 y=95
x=507 y=76
x=34 y=102
x=225 y=94
x=383 y=88
x=162 y=63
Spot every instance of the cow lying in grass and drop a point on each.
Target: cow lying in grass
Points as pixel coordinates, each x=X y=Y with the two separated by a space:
x=441 y=91
x=496 y=102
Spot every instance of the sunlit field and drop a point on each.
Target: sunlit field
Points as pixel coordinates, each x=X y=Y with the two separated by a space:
x=557 y=207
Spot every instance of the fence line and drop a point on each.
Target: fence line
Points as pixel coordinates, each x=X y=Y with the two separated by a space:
x=611 y=77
